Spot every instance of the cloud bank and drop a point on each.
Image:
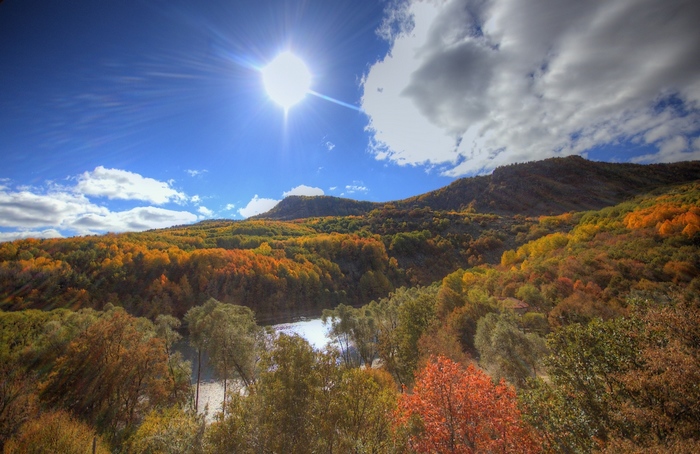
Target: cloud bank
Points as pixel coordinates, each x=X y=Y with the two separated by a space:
x=469 y=85
x=54 y=210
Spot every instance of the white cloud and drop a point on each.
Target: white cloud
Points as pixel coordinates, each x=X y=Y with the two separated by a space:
x=333 y=188
x=48 y=233
x=194 y=173
x=25 y=209
x=195 y=199
x=471 y=84
x=125 y=185
x=303 y=190
x=257 y=206
x=136 y=219
x=64 y=210
x=205 y=211
x=55 y=210
x=230 y=206
x=330 y=145
x=356 y=186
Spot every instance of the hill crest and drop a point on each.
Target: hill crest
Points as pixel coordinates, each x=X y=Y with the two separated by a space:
x=548 y=187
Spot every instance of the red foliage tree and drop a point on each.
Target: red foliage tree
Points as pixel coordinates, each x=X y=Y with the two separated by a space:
x=457 y=410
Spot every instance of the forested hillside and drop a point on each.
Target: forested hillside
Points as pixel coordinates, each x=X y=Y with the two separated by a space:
x=549 y=187
x=270 y=266
x=486 y=331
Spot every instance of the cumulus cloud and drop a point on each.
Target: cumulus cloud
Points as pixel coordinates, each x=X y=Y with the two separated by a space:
x=472 y=84
x=256 y=206
x=204 y=211
x=135 y=219
x=230 y=206
x=55 y=210
x=303 y=190
x=65 y=210
x=27 y=210
x=125 y=185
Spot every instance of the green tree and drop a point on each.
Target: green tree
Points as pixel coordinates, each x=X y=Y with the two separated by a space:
x=286 y=389
x=464 y=319
x=305 y=401
x=416 y=313
x=343 y=324
x=576 y=410
x=365 y=400
x=180 y=370
x=230 y=337
x=506 y=351
x=278 y=413
x=168 y=431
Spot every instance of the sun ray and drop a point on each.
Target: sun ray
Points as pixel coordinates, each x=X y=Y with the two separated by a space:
x=336 y=101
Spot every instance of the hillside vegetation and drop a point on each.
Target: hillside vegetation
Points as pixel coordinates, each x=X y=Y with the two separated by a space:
x=488 y=330
x=278 y=268
x=540 y=188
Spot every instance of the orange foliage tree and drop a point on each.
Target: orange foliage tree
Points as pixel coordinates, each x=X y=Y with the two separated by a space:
x=112 y=374
x=458 y=410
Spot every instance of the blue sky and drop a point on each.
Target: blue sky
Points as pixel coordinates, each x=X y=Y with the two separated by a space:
x=138 y=114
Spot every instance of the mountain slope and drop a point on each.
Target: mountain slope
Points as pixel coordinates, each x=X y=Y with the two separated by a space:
x=300 y=207
x=548 y=187
x=556 y=186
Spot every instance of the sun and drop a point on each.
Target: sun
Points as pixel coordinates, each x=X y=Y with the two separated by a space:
x=286 y=79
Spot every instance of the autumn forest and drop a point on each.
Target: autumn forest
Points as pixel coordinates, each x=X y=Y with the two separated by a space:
x=549 y=307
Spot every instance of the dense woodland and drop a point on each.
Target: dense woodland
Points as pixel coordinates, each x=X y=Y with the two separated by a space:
x=454 y=330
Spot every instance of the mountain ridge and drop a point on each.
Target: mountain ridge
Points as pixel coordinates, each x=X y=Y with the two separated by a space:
x=548 y=187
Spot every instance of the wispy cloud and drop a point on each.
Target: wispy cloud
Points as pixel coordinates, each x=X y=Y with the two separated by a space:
x=330 y=145
x=194 y=173
x=469 y=85
x=356 y=186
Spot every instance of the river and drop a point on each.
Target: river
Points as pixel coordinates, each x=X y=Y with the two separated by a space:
x=211 y=392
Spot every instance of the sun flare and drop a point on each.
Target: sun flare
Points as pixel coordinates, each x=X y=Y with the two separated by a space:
x=286 y=79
